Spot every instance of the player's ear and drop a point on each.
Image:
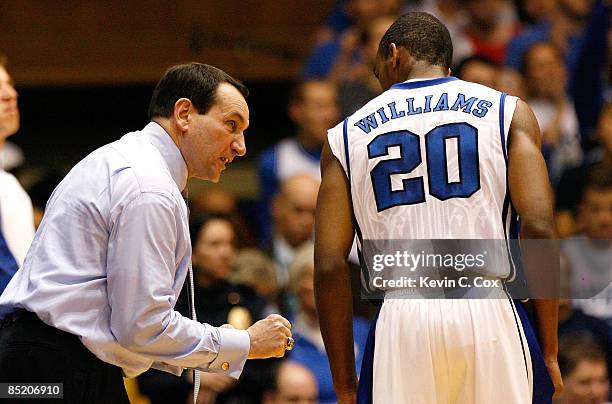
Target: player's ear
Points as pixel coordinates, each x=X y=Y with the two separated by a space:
x=394 y=55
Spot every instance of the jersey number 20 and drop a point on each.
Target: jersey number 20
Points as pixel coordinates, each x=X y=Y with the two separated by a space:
x=440 y=187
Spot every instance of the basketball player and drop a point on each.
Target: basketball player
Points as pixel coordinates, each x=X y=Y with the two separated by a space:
x=434 y=350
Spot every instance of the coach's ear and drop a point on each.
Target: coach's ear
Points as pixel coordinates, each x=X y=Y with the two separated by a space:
x=182 y=109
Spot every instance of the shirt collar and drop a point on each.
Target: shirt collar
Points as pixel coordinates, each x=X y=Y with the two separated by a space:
x=418 y=83
x=169 y=152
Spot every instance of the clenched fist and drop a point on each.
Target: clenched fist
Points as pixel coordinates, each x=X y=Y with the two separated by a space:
x=269 y=337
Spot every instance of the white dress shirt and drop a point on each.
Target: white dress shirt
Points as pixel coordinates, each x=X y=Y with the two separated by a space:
x=110 y=258
x=16 y=216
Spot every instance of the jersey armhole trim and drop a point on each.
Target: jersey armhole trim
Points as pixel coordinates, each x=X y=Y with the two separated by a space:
x=502 y=129
x=346 y=150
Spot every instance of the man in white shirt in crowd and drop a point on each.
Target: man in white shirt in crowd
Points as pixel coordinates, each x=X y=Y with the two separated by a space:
x=16 y=217
x=293 y=211
x=95 y=297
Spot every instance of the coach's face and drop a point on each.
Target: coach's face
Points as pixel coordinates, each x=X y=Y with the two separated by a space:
x=9 y=113
x=213 y=140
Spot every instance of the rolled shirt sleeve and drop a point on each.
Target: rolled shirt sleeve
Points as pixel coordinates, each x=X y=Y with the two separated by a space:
x=142 y=260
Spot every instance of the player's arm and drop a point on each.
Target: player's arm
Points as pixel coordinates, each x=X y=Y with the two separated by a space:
x=532 y=198
x=333 y=296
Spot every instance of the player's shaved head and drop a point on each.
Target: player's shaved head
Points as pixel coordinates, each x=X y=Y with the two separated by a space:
x=423 y=36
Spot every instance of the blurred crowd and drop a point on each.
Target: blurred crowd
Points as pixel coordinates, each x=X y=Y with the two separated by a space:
x=554 y=54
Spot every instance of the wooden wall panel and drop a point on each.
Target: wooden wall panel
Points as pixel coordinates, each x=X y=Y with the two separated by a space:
x=103 y=42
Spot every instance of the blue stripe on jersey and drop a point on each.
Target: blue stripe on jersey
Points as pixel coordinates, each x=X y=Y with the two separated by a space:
x=502 y=131
x=366 y=375
x=423 y=83
x=543 y=388
x=346 y=150
x=518 y=330
x=348 y=172
x=502 y=136
x=507 y=203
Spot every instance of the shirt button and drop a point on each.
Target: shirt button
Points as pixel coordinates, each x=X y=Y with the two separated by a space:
x=225 y=366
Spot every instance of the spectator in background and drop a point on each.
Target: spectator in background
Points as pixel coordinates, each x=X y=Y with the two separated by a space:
x=510 y=82
x=217 y=302
x=492 y=26
x=561 y=22
x=357 y=83
x=293 y=383
x=533 y=12
x=585 y=376
x=339 y=43
x=589 y=255
x=574 y=322
x=309 y=349
x=313 y=106
x=293 y=212
x=257 y=270
x=11 y=156
x=477 y=69
x=545 y=75
x=592 y=72
x=216 y=200
x=16 y=217
x=453 y=15
x=572 y=183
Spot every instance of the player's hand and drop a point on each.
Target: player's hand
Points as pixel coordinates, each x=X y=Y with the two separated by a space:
x=555 y=374
x=269 y=337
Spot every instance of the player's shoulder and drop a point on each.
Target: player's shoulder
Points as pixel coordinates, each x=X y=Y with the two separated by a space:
x=470 y=86
x=373 y=105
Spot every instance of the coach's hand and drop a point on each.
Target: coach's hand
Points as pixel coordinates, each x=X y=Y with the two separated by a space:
x=269 y=337
x=555 y=374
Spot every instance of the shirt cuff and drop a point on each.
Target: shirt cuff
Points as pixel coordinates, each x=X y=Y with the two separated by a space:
x=234 y=347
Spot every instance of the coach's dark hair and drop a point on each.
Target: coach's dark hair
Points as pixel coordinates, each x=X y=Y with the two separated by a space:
x=196 y=81
x=421 y=34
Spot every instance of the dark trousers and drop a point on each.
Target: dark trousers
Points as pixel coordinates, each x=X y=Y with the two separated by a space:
x=33 y=352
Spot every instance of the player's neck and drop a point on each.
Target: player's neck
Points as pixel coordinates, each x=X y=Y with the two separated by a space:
x=422 y=70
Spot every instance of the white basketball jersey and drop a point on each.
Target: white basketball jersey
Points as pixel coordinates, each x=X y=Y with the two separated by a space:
x=427 y=160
